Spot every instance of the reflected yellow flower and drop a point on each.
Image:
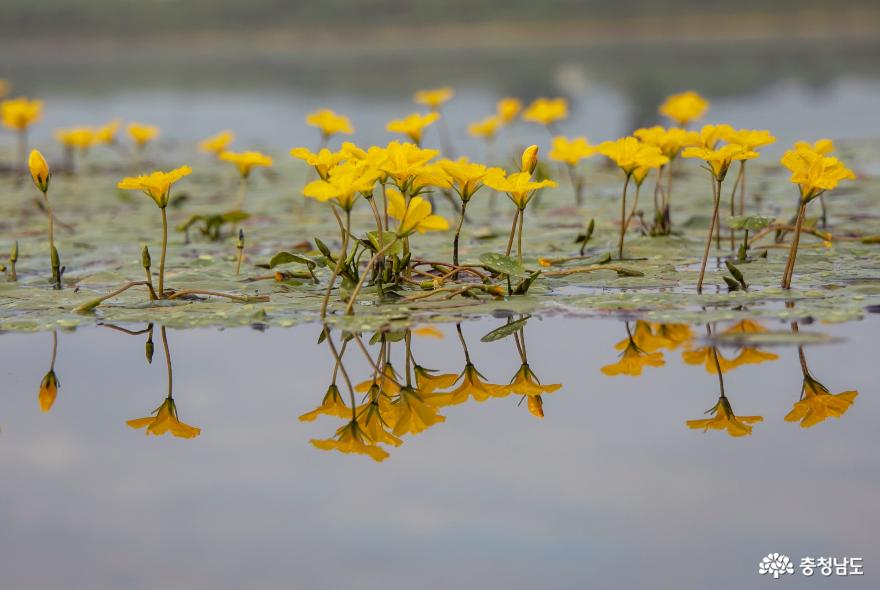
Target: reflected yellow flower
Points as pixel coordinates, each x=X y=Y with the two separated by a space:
x=427 y=382
x=81 y=138
x=684 y=107
x=706 y=356
x=507 y=109
x=350 y=438
x=818 y=404
x=525 y=382
x=545 y=111
x=165 y=420
x=571 y=151
x=633 y=360
x=412 y=125
x=20 y=113
x=725 y=419
x=142 y=134
x=473 y=384
x=246 y=161
x=329 y=123
x=388 y=381
x=332 y=405
x=413 y=414
x=433 y=99
x=217 y=144
x=376 y=417
x=671 y=336
x=48 y=391
x=753 y=356
x=485 y=128
x=429 y=332
x=414 y=216
x=157 y=185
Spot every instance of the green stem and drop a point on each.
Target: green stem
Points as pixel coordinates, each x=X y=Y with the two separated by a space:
x=458 y=235
x=792 y=253
x=164 y=252
x=512 y=232
x=622 y=217
x=519 y=234
x=350 y=307
x=716 y=197
x=339 y=263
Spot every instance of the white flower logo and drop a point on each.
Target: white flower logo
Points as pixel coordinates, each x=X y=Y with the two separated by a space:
x=776 y=565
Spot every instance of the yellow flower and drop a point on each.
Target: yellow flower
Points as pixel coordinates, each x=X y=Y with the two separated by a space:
x=706 y=356
x=412 y=125
x=571 y=151
x=414 y=215
x=467 y=177
x=473 y=384
x=644 y=338
x=518 y=186
x=106 y=134
x=630 y=154
x=746 y=327
x=429 y=332
x=332 y=405
x=20 y=113
x=141 y=134
x=217 y=144
x=428 y=383
x=671 y=336
x=710 y=135
x=684 y=107
x=753 y=356
x=486 y=128
x=822 y=146
x=525 y=382
x=433 y=99
x=404 y=160
x=39 y=170
x=157 y=185
x=329 y=123
x=165 y=420
x=818 y=404
x=507 y=109
x=387 y=382
x=815 y=173
x=546 y=111
x=750 y=139
x=48 y=391
x=322 y=162
x=344 y=183
x=245 y=161
x=633 y=360
x=78 y=137
x=725 y=419
x=371 y=418
x=719 y=160
x=413 y=414
x=670 y=141
x=351 y=438
x=536 y=406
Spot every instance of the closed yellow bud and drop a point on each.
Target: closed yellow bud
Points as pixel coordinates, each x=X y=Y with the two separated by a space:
x=39 y=170
x=530 y=159
x=536 y=406
x=48 y=391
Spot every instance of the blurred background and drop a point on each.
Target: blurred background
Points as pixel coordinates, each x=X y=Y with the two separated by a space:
x=802 y=68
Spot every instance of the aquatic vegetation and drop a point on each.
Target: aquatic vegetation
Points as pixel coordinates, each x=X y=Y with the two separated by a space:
x=40 y=174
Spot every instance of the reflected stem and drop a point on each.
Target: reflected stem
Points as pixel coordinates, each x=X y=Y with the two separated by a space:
x=167 y=361
x=467 y=356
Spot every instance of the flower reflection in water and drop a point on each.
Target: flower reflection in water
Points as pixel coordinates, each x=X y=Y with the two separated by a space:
x=50 y=384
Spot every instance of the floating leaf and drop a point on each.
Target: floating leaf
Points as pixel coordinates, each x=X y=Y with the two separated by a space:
x=288 y=257
x=749 y=222
x=503 y=265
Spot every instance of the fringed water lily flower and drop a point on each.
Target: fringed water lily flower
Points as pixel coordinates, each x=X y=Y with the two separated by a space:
x=571 y=152
x=157 y=186
x=814 y=173
x=73 y=139
x=630 y=155
x=685 y=107
x=725 y=419
x=329 y=123
x=546 y=112
x=670 y=141
x=817 y=404
x=525 y=382
x=412 y=125
x=323 y=161
x=507 y=109
x=486 y=129
x=48 y=391
x=435 y=98
x=165 y=420
x=217 y=144
x=710 y=358
x=106 y=134
x=351 y=438
x=467 y=178
x=414 y=415
x=245 y=162
x=473 y=385
x=142 y=134
x=520 y=188
x=633 y=358
x=331 y=405
x=18 y=114
x=750 y=139
x=427 y=382
x=404 y=161
x=718 y=162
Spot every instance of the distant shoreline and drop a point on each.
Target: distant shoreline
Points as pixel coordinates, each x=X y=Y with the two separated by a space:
x=849 y=27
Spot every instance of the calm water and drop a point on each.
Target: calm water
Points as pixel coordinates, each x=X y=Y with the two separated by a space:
x=610 y=490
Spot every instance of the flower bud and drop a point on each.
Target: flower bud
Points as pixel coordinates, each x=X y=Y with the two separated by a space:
x=148 y=349
x=39 y=170
x=13 y=256
x=48 y=391
x=530 y=159
x=146 y=261
x=536 y=406
x=56 y=260
x=240 y=243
